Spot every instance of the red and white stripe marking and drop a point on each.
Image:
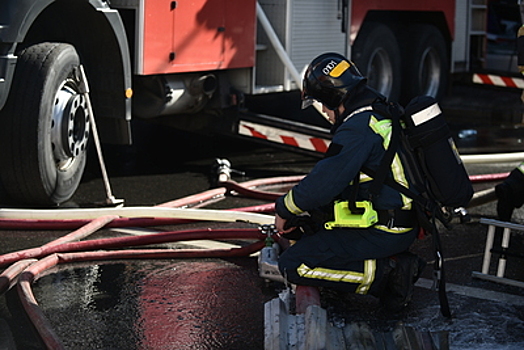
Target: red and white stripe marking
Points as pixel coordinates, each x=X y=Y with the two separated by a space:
x=489 y=79
x=283 y=136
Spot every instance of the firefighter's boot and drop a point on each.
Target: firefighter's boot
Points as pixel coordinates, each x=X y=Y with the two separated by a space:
x=398 y=292
x=510 y=194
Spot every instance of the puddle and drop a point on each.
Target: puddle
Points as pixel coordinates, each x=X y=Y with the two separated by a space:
x=198 y=304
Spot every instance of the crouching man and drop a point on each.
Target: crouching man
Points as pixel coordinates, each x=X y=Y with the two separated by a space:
x=372 y=258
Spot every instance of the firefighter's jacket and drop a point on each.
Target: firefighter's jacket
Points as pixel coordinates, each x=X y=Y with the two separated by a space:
x=360 y=138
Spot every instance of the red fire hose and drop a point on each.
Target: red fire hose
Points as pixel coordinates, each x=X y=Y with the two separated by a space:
x=61 y=250
x=488 y=177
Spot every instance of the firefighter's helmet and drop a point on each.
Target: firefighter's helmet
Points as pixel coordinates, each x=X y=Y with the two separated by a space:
x=329 y=79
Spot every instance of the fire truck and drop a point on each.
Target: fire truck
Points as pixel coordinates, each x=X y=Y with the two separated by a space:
x=71 y=70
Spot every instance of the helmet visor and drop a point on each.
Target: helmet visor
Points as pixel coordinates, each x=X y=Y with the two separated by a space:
x=304 y=96
x=307 y=102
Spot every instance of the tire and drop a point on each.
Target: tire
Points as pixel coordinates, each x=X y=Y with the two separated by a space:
x=44 y=127
x=426 y=70
x=377 y=55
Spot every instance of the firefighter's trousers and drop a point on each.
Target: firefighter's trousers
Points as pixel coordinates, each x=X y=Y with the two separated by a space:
x=345 y=259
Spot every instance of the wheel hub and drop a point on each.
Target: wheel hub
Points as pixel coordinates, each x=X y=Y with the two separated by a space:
x=380 y=72
x=70 y=126
x=430 y=72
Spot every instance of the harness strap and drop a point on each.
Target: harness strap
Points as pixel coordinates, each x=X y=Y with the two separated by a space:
x=397 y=218
x=357 y=111
x=382 y=171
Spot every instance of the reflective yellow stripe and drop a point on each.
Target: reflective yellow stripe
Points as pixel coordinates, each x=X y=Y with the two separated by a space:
x=383 y=128
x=290 y=204
x=364 y=178
x=370 y=267
x=400 y=176
x=393 y=229
x=521 y=167
x=363 y=279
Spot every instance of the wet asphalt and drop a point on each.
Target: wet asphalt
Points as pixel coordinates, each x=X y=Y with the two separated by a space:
x=218 y=303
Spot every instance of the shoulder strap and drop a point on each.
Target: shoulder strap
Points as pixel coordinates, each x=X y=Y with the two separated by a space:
x=357 y=111
x=393 y=111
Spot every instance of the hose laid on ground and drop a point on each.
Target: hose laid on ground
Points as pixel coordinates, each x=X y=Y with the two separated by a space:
x=482 y=197
x=222 y=190
x=64 y=223
x=136 y=212
x=53 y=251
x=128 y=241
x=492 y=158
x=26 y=222
x=53 y=224
x=20 y=258
x=116 y=221
x=23 y=260
x=11 y=273
x=61 y=250
x=193 y=200
x=488 y=177
x=83 y=232
x=231 y=185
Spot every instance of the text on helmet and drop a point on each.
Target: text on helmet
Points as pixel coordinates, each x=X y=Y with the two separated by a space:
x=335 y=69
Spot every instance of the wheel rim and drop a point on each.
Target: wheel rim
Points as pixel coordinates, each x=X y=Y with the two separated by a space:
x=430 y=72
x=70 y=125
x=380 y=72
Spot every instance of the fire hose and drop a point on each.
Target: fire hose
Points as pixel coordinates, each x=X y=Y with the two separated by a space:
x=26 y=267
x=25 y=264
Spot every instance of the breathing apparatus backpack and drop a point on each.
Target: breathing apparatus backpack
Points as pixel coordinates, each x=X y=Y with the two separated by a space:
x=423 y=139
x=438 y=179
x=428 y=139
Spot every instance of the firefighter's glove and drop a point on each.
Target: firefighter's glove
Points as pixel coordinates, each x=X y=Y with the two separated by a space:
x=304 y=226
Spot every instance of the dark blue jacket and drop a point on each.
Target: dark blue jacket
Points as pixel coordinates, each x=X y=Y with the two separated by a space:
x=360 y=139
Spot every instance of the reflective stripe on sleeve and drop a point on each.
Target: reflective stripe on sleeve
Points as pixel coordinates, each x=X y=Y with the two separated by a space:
x=290 y=204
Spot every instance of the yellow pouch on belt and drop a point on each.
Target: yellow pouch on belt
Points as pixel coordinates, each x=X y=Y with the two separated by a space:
x=345 y=218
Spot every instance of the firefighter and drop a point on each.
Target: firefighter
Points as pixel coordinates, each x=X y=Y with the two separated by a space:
x=373 y=258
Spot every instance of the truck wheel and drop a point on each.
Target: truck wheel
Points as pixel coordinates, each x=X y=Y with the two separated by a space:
x=44 y=127
x=377 y=56
x=426 y=63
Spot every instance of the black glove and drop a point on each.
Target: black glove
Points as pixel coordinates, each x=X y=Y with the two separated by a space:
x=304 y=226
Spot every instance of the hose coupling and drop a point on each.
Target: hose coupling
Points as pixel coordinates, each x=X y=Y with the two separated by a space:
x=222 y=169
